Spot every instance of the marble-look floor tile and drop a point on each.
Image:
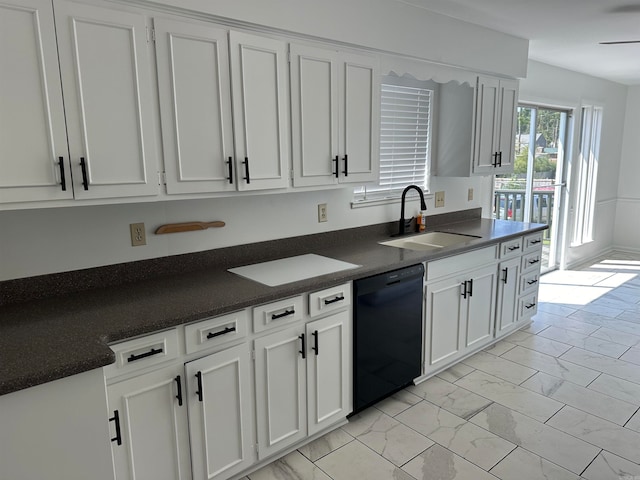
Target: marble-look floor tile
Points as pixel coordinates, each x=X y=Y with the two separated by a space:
x=541 y=344
x=612 y=366
x=513 y=396
x=398 y=402
x=622 y=326
x=615 y=303
x=524 y=465
x=499 y=348
x=387 y=436
x=586 y=342
x=325 y=444
x=632 y=316
x=535 y=326
x=602 y=310
x=565 y=322
x=582 y=398
x=471 y=442
x=555 y=446
x=454 y=399
x=583 y=278
x=620 y=294
x=438 y=463
x=634 y=422
x=499 y=367
x=617 y=336
x=557 y=309
x=606 y=435
x=355 y=460
x=290 y=467
x=632 y=355
x=617 y=387
x=452 y=374
x=552 y=365
x=608 y=466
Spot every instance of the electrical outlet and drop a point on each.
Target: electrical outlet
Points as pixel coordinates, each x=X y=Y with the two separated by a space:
x=138 y=235
x=322 y=212
x=470 y=194
x=439 y=199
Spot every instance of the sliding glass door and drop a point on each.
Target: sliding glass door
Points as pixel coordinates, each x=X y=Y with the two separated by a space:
x=534 y=192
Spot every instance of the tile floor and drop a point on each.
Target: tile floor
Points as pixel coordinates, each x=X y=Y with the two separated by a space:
x=557 y=400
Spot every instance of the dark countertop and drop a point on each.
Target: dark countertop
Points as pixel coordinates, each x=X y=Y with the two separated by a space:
x=50 y=338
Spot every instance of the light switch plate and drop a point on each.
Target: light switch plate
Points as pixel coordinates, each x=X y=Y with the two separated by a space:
x=439 y=199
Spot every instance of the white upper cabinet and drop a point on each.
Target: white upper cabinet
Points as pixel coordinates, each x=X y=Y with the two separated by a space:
x=496 y=102
x=34 y=164
x=105 y=69
x=260 y=111
x=335 y=117
x=195 y=107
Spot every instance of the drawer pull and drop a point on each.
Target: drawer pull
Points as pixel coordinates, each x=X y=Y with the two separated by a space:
x=304 y=346
x=116 y=420
x=334 y=300
x=531 y=305
x=534 y=261
x=286 y=313
x=532 y=282
x=199 y=391
x=153 y=351
x=535 y=242
x=211 y=335
x=179 y=393
x=515 y=247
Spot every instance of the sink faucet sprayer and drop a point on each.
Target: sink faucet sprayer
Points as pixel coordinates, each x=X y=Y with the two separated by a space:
x=423 y=206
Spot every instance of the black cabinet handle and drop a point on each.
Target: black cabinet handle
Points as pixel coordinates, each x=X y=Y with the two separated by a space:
x=495 y=159
x=506 y=275
x=534 y=261
x=304 y=346
x=230 y=167
x=116 y=420
x=335 y=172
x=346 y=165
x=535 y=242
x=316 y=347
x=63 y=181
x=199 y=391
x=153 y=351
x=514 y=248
x=531 y=305
x=83 y=166
x=179 y=394
x=532 y=282
x=246 y=170
x=471 y=287
x=276 y=316
x=499 y=159
x=211 y=335
x=464 y=289
x=334 y=300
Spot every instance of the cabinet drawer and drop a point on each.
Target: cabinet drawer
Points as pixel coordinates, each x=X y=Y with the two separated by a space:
x=527 y=306
x=143 y=352
x=533 y=241
x=463 y=262
x=511 y=249
x=278 y=313
x=216 y=331
x=531 y=261
x=529 y=282
x=329 y=299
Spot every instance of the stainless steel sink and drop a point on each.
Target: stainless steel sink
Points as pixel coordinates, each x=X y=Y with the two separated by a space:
x=430 y=241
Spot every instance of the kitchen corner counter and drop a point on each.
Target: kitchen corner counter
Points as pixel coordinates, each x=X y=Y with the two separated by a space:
x=53 y=337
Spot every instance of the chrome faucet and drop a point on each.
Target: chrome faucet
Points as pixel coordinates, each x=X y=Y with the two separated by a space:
x=423 y=206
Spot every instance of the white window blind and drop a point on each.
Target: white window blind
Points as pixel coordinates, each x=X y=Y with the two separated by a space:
x=405 y=141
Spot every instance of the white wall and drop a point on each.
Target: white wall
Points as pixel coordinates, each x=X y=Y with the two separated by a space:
x=627 y=230
x=555 y=86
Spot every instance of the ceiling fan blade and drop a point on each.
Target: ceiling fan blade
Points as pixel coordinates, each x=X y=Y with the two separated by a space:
x=621 y=42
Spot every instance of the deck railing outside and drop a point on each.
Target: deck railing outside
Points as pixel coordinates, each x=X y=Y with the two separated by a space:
x=509 y=204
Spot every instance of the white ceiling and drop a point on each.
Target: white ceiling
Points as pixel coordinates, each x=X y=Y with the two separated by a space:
x=565 y=33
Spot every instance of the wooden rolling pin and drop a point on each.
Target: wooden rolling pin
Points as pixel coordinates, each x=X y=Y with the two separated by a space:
x=187 y=227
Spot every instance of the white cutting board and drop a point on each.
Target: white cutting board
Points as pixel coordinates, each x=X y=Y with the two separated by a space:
x=291 y=269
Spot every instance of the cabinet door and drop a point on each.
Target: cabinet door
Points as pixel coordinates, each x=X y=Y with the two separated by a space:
x=328 y=370
x=220 y=413
x=32 y=128
x=314 y=116
x=280 y=389
x=154 y=428
x=480 y=312
x=104 y=62
x=508 y=118
x=360 y=119
x=260 y=119
x=487 y=96
x=195 y=106
x=508 y=280
x=444 y=311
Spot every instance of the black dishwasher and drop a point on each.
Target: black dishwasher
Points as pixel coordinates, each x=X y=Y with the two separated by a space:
x=387 y=334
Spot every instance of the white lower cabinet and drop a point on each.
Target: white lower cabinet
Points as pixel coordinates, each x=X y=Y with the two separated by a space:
x=220 y=413
x=508 y=283
x=302 y=381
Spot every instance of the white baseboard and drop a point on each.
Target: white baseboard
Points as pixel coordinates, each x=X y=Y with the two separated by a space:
x=582 y=263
